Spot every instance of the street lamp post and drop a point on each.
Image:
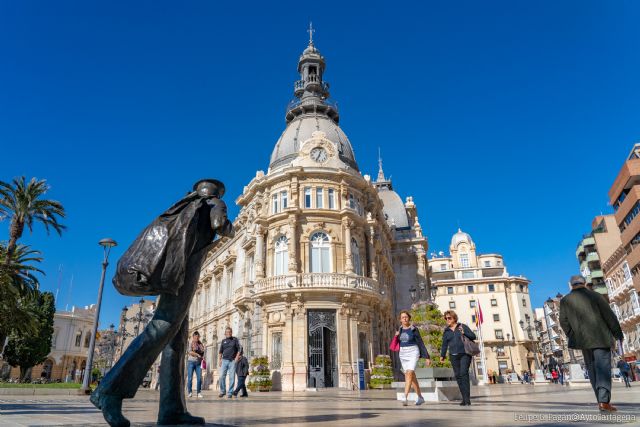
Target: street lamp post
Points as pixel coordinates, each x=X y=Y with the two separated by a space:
x=106 y=244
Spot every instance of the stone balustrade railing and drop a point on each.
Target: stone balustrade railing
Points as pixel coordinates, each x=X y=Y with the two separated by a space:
x=315 y=280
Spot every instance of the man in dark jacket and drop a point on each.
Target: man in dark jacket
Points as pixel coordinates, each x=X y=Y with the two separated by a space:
x=591 y=326
x=625 y=371
x=242 y=371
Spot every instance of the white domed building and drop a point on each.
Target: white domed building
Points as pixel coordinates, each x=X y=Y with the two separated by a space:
x=322 y=259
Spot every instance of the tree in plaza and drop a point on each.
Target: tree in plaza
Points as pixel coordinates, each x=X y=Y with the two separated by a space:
x=18 y=280
x=22 y=203
x=28 y=350
x=429 y=320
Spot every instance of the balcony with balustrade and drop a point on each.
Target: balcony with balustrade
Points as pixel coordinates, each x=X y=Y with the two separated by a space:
x=315 y=282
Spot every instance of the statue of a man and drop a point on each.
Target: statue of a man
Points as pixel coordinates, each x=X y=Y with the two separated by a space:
x=164 y=260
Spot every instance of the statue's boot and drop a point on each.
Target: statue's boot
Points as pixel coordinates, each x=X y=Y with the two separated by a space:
x=178 y=419
x=111 y=407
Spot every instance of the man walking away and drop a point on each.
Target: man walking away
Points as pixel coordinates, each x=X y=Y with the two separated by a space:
x=591 y=326
x=242 y=371
x=625 y=371
x=227 y=357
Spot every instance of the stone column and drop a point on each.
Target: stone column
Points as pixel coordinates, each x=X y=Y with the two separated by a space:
x=348 y=264
x=288 y=349
x=293 y=245
x=299 y=344
x=259 y=255
x=372 y=253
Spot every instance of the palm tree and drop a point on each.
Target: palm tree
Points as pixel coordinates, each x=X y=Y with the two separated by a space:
x=17 y=271
x=23 y=203
x=18 y=282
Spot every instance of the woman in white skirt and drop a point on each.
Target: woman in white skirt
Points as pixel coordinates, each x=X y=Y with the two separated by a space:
x=412 y=348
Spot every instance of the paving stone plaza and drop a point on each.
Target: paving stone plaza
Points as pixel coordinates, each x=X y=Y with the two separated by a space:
x=501 y=405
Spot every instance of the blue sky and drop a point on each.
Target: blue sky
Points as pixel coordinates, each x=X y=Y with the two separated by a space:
x=510 y=119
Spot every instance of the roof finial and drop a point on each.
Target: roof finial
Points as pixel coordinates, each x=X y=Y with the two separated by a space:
x=311 y=31
x=381 y=177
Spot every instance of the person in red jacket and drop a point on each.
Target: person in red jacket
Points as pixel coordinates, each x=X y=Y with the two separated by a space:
x=554 y=376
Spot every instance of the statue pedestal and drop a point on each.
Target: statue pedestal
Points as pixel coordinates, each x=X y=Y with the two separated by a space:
x=539 y=378
x=576 y=376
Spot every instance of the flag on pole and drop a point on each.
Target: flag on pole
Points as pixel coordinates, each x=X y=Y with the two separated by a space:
x=479 y=319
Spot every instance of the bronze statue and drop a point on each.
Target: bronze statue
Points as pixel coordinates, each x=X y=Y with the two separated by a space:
x=164 y=260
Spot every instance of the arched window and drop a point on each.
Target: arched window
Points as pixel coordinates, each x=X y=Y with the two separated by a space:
x=281 y=258
x=355 y=253
x=320 y=253
x=464 y=260
x=87 y=339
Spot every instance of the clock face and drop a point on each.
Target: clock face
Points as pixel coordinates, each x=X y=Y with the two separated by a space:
x=318 y=154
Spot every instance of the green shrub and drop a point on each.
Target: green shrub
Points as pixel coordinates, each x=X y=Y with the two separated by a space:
x=259 y=374
x=382 y=372
x=431 y=323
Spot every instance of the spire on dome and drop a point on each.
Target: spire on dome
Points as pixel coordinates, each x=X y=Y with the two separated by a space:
x=382 y=181
x=311 y=92
x=311 y=31
x=380 y=171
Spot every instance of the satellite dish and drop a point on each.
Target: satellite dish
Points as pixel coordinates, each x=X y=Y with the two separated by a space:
x=441 y=253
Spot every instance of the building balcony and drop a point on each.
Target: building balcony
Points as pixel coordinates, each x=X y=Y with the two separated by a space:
x=619 y=293
x=311 y=281
x=593 y=257
x=597 y=274
x=579 y=250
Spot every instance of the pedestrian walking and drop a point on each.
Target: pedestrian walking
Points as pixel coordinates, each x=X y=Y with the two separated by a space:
x=228 y=356
x=411 y=348
x=242 y=371
x=625 y=371
x=452 y=340
x=194 y=364
x=591 y=326
x=554 y=376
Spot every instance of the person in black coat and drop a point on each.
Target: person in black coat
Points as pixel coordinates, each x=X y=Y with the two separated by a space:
x=591 y=326
x=242 y=371
x=460 y=360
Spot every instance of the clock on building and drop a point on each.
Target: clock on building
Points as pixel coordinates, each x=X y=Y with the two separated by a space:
x=318 y=154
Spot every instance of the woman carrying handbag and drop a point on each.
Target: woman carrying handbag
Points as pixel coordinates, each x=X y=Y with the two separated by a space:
x=410 y=346
x=458 y=339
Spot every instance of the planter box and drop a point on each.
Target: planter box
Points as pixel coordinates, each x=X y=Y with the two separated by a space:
x=381 y=386
x=435 y=373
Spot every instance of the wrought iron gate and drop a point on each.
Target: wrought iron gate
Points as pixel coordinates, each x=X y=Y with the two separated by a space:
x=323 y=369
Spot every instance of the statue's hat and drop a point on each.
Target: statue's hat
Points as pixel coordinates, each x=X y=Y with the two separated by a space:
x=217 y=187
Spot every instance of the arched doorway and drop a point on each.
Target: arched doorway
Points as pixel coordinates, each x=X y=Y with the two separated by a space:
x=323 y=367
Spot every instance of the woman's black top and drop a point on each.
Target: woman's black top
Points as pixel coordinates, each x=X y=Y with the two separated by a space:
x=452 y=340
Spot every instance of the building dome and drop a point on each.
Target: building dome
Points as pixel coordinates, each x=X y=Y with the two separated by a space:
x=461 y=237
x=300 y=129
x=394 y=210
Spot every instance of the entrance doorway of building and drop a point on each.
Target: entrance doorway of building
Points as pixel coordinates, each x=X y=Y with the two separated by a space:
x=323 y=367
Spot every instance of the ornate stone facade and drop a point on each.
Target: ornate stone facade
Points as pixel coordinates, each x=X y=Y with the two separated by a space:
x=311 y=277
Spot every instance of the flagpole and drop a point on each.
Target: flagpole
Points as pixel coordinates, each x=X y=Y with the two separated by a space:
x=482 y=355
x=479 y=322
